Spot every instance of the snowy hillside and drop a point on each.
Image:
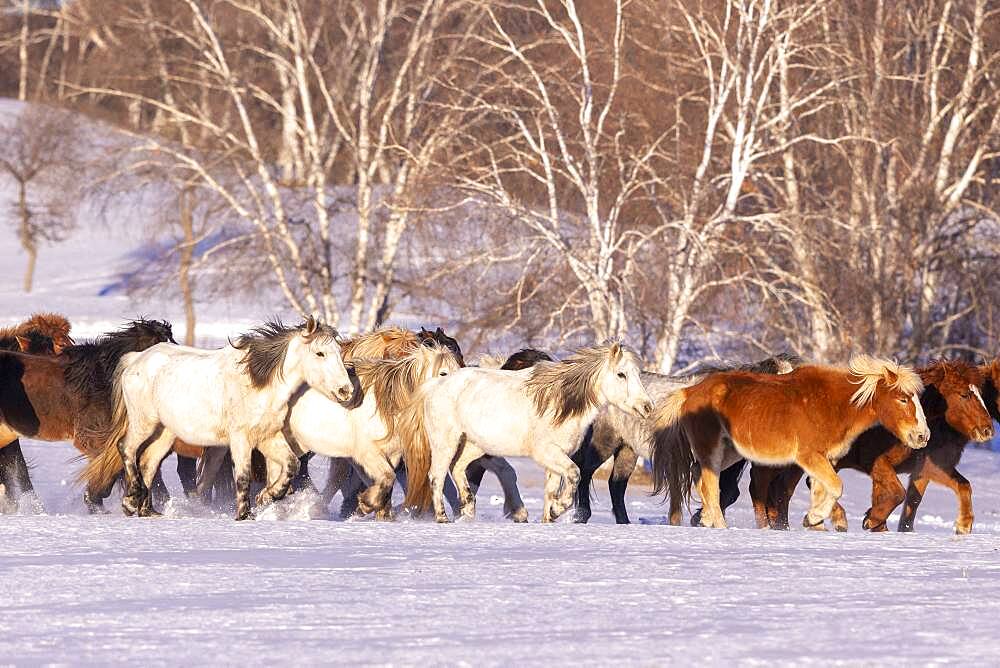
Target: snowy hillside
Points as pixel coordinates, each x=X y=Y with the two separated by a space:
x=196 y=587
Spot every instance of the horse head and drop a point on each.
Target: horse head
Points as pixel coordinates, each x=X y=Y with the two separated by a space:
x=893 y=392
x=953 y=391
x=321 y=362
x=144 y=333
x=438 y=337
x=991 y=387
x=621 y=385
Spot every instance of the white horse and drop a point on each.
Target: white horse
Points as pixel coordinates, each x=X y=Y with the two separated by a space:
x=236 y=396
x=366 y=434
x=540 y=412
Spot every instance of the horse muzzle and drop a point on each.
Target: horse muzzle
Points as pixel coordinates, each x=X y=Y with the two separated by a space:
x=982 y=434
x=643 y=409
x=919 y=439
x=344 y=393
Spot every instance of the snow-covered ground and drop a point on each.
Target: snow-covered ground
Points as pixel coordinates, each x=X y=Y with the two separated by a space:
x=197 y=587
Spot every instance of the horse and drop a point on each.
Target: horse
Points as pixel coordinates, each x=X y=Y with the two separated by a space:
x=236 y=396
x=540 y=412
x=809 y=416
x=385 y=343
x=625 y=438
x=513 y=505
x=366 y=432
x=953 y=404
x=67 y=397
x=41 y=334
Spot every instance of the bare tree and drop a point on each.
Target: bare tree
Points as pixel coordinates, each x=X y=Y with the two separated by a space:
x=38 y=152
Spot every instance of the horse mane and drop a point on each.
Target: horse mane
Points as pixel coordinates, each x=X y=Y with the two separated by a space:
x=569 y=387
x=394 y=381
x=871 y=370
x=486 y=361
x=525 y=358
x=936 y=371
x=44 y=331
x=382 y=343
x=781 y=363
x=90 y=371
x=265 y=347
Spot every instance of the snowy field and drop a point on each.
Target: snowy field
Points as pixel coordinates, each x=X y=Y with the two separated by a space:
x=197 y=587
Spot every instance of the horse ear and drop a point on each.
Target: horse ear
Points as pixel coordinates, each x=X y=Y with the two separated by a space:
x=311 y=325
x=423 y=330
x=891 y=377
x=23 y=343
x=616 y=350
x=439 y=331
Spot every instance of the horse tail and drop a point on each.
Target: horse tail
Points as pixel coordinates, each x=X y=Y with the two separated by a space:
x=674 y=467
x=411 y=426
x=102 y=471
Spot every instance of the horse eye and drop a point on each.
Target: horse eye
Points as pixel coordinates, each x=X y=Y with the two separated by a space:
x=904 y=400
x=621 y=375
x=966 y=395
x=443 y=373
x=320 y=354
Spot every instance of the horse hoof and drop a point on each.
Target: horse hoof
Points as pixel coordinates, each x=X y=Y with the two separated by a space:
x=961 y=530
x=580 y=518
x=813 y=526
x=149 y=512
x=442 y=519
x=840 y=528
x=520 y=516
x=696 y=519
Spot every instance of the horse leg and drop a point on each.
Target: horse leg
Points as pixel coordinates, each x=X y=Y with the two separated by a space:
x=513 y=505
x=708 y=489
x=129 y=447
x=442 y=454
x=212 y=460
x=351 y=488
x=382 y=475
x=914 y=495
x=277 y=450
x=15 y=471
x=780 y=495
x=887 y=493
x=151 y=459
x=761 y=478
x=827 y=488
x=337 y=473
x=459 y=468
x=187 y=471
x=621 y=471
x=962 y=489
x=560 y=472
x=241 y=452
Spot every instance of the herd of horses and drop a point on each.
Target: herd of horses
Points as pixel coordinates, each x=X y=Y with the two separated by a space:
x=398 y=405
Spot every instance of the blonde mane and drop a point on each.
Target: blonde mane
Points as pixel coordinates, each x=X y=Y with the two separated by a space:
x=871 y=370
x=383 y=343
x=490 y=361
x=394 y=381
x=568 y=387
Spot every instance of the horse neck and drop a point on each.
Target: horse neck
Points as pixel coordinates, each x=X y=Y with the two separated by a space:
x=289 y=379
x=841 y=392
x=990 y=393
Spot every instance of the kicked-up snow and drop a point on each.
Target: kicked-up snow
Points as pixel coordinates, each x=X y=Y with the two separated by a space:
x=198 y=587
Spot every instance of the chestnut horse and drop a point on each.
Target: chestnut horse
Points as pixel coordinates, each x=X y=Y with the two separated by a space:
x=68 y=397
x=955 y=412
x=809 y=416
x=41 y=334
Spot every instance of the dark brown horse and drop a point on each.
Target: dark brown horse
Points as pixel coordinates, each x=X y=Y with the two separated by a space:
x=809 y=416
x=953 y=401
x=68 y=397
x=41 y=334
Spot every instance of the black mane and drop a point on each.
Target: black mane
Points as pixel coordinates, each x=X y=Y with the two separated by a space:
x=438 y=337
x=38 y=343
x=771 y=365
x=92 y=364
x=524 y=359
x=264 y=348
